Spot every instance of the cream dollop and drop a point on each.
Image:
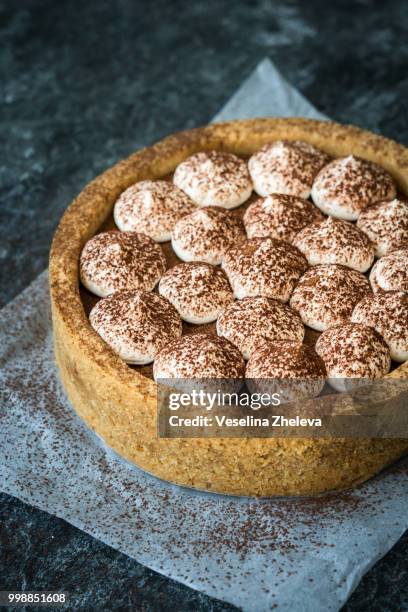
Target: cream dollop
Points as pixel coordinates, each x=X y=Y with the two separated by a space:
x=206 y=235
x=334 y=241
x=114 y=261
x=286 y=166
x=198 y=291
x=136 y=325
x=214 y=178
x=265 y=267
x=251 y=320
x=152 y=208
x=346 y=186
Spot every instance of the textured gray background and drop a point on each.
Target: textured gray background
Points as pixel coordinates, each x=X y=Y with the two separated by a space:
x=83 y=84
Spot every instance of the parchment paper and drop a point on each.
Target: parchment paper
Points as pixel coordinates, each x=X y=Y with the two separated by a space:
x=292 y=554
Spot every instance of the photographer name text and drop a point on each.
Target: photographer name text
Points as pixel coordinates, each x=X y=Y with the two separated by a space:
x=276 y=420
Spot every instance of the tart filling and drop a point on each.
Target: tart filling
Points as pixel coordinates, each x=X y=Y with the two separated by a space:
x=277 y=249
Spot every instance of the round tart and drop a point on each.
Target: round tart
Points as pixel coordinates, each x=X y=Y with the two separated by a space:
x=386 y=225
x=333 y=241
x=263 y=266
x=152 y=208
x=114 y=261
x=213 y=178
x=198 y=291
x=206 y=235
x=269 y=366
x=326 y=295
x=279 y=216
x=120 y=402
x=346 y=186
x=247 y=321
x=135 y=325
x=387 y=313
x=353 y=351
x=286 y=167
x=390 y=273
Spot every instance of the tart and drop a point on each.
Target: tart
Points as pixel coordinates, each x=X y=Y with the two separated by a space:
x=118 y=401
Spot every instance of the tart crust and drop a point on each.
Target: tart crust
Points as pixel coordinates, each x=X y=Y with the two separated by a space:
x=119 y=403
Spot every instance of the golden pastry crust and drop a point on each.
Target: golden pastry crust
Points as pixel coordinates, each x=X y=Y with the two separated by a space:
x=119 y=403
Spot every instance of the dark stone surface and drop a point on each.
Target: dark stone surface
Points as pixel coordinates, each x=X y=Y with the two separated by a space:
x=83 y=84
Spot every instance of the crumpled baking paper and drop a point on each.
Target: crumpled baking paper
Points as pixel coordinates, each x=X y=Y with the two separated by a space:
x=292 y=554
